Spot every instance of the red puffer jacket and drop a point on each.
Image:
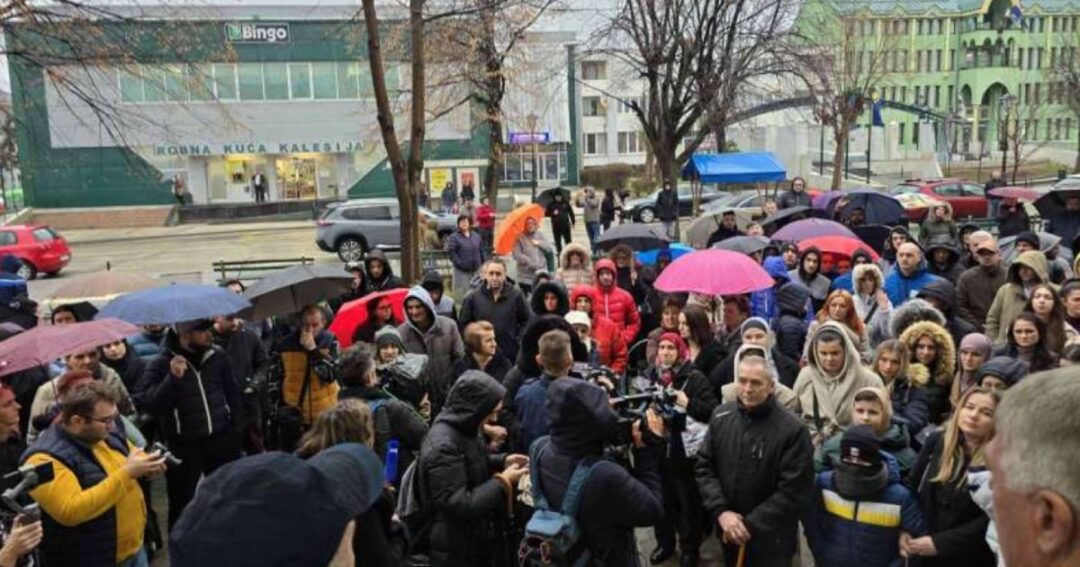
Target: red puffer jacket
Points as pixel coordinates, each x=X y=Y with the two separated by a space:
x=616 y=303
x=610 y=345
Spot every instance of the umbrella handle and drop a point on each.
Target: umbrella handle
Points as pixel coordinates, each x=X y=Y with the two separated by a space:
x=741 y=561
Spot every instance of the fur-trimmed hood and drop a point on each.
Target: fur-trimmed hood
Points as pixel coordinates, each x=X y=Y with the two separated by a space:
x=862 y=270
x=911 y=312
x=948 y=212
x=575 y=248
x=945 y=365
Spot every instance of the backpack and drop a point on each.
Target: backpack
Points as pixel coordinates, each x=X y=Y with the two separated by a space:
x=553 y=537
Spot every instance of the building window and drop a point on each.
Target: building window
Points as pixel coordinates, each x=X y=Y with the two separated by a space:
x=595 y=144
x=624 y=104
x=1068 y=122
x=1020 y=57
x=937 y=60
x=131 y=87
x=324 y=80
x=348 y=79
x=631 y=143
x=225 y=81
x=275 y=81
x=902 y=132
x=590 y=106
x=915 y=134
x=937 y=96
x=903 y=93
x=952 y=97
x=919 y=61
x=299 y=80
x=1037 y=99
x=593 y=70
x=251 y=81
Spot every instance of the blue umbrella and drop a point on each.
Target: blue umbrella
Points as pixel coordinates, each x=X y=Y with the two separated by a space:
x=174 y=304
x=648 y=257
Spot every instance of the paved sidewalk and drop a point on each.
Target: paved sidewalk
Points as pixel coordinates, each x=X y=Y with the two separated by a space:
x=102 y=235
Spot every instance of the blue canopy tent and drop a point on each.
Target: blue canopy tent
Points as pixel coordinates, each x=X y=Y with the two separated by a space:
x=734 y=168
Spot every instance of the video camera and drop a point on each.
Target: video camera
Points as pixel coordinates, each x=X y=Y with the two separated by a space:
x=30 y=477
x=170 y=459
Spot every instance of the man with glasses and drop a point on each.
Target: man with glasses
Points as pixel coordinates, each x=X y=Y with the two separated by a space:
x=94 y=511
x=977 y=286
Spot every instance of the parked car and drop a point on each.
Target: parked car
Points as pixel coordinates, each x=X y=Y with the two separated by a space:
x=41 y=249
x=968 y=199
x=353 y=228
x=643 y=209
x=752 y=202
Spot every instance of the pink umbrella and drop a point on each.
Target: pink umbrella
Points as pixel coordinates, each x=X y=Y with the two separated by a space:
x=1016 y=192
x=44 y=344
x=714 y=272
x=811 y=228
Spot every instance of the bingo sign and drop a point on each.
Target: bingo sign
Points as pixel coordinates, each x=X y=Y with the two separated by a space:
x=237 y=32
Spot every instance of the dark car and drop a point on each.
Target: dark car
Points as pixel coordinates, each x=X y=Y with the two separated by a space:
x=39 y=248
x=644 y=209
x=353 y=228
x=967 y=198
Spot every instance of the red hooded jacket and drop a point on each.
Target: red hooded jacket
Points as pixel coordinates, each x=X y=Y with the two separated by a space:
x=612 y=349
x=616 y=303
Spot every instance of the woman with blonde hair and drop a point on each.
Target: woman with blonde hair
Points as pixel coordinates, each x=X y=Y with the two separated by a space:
x=840 y=307
x=910 y=402
x=956 y=525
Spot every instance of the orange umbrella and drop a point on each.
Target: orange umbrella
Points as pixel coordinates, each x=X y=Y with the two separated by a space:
x=511 y=227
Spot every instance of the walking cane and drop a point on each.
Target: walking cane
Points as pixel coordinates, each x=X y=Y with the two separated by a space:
x=741 y=561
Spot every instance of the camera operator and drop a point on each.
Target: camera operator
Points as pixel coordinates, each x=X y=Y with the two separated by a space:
x=18 y=538
x=614 y=500
x=693 y=398
x=94 y=511
x=755 y=470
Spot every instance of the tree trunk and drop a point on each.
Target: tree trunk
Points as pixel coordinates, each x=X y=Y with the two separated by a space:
x=493 y=85
x=721 y=139
x=841 y=138
x=665 y=162
x=1076 y=164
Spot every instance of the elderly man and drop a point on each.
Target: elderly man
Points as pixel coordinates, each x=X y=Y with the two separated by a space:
x=1037 y=500
x=977 y=286
x=908 y=276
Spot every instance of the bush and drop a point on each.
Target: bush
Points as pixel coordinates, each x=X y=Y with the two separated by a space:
x=611 y=176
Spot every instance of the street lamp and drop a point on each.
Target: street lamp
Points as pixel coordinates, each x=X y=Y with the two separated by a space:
x=532 y=120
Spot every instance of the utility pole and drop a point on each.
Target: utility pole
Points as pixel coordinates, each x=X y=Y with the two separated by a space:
x=533 y=119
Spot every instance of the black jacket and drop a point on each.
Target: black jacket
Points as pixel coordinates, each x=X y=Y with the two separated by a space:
x=790 y=199
x=721 y=234
x=944 y=292
x=614 y=500
x=667 y=205
x=201 y=403
x=758 y=463
x=456 y=470
x=497 y=367
x=509 y=315
x=25 y=384
x=401 y=422
x=724 y=373
x=910 y=405
x=130 y=368
x=791 y=327
x=953 y=520
x=711 y=354
x=702 y=402
x=561 y=213
x=376 y=542
x=387 y=280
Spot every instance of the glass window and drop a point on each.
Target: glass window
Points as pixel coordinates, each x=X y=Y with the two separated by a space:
x=175 y=84
x=590 y=106
x=200 y=82
x=131 y=87
x=8 y=238
x=972 y=189
x=948 y=190
x=251 y=81
x=154 y=84
x=324 y=80
x=225 y=81
x=300 y=80
x=513 y=167
x=348 y=79
x=44 y=235
x=593 y=70
x=367 y=213
x=275 y=81
x=367 y=88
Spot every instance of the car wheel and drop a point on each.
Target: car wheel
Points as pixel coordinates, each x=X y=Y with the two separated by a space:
x=350 y=249
x=27 y=271
x=647 y=215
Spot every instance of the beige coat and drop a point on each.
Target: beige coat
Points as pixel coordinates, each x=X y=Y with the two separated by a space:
x=45 y=398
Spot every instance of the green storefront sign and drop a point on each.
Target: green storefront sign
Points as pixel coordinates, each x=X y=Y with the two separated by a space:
x=238 y=32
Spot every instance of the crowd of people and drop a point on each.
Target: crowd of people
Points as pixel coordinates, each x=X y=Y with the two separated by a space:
x=542 y=419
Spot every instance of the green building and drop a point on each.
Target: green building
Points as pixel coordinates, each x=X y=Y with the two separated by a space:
x=117 y=111
x=983 y=63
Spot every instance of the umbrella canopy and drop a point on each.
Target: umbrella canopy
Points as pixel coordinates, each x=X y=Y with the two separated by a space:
x=714 y=272
x=648 y=257
x=699 y=231
x=290 y=290
x=825 y=201
x=790 y=214
x=873 y=235
x=1052 y=203
x=547 y=196
x=636 y=236
x=878 y=208
x=1018 y=193
x=838 y=245
x=743 y=244
x=101 y=285
x=809 y=228
x=355 y=313
x=45 y=343
x=174 y=304
x=511 y=227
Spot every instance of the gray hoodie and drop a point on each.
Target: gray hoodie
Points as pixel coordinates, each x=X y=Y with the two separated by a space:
x=441 y=342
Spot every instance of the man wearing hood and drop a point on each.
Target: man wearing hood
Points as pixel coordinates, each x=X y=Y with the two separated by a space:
x=250 y=367
x=808 y=275
x=862 y=509
x=763 y=302
x=436 y=288
x=791 y=326
x=614 y=500
x=463 y=488
x=1027 y=271
x=615 y=303
x=500 y=304
x=977 y=286
x=908 y=276
x=549 y=298
x=942 y=295
x=357 y=289
x=435 y=336
x=944 y=260
x=575 y=266
x=755 y=471
x=191 y=391
x=380 y=275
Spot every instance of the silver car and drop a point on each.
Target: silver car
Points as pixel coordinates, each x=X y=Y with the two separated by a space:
x=353 y=228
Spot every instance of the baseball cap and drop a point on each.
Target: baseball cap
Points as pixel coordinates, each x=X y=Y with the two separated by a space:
x=861 y=447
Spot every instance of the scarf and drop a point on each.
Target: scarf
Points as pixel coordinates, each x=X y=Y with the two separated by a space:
x=860 y=483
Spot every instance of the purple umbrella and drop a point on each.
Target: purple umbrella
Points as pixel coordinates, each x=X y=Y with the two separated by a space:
x=811 y=228
x=714 y=272
x=824 y=201
x=44 y=344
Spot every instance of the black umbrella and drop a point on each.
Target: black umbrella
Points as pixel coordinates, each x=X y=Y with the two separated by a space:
x=1053 y=202
x=289 y=290
x=636 y=236
x=874 y=235
x=743 y=244
x=547 y=196
x=790 y=214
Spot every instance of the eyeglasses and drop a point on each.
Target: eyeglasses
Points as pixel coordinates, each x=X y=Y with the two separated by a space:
x=109 y=420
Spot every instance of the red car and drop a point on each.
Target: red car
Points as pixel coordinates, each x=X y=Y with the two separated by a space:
x=39 y=248
x=968 y=199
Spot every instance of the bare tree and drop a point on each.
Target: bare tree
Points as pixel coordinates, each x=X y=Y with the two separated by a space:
x=1020 y=126
x=1065 y=70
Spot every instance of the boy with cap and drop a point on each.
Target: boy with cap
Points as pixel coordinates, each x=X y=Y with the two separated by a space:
x=862 y=509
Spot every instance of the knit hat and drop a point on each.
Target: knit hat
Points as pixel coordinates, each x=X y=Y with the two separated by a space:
x=1029 y=237
x=680 y=344
x=977 y=342
x=861 y=448
x=388 y=335
x=579 y=318
x=1007 y=369
x=753 y=323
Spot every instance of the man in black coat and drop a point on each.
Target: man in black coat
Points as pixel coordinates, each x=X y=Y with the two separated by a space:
x=667 y=210
x=380 y=275
x=191 y=391
x=755 y=471
x=728 y=228
x=562 y=220
x=250 y=366
x=462 y=488
x=501 y=305
x=615 y=500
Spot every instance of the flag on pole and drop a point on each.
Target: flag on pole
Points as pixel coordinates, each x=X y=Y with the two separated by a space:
x=1016 y=14
x=876 y=112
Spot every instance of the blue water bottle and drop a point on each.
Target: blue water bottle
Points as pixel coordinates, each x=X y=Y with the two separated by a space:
x=390 y=467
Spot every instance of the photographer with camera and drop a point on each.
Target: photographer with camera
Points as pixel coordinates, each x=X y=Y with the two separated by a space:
x=20 y=534
x=94 y=511
x=694 y=401
x=755 y=470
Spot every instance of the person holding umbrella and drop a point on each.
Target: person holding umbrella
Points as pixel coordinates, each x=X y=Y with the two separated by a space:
x=1066 y=222
x=251 y=368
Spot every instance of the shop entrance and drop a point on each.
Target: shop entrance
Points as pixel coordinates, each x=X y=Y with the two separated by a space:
x=297 y=178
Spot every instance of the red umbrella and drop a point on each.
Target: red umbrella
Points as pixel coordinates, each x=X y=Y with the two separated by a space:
x=1018 y=193
x=714 y=272
x=355 y=313
x=44 y=344
x=838 y=245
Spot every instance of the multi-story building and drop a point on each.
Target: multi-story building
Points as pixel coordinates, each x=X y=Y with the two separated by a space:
x=610 y=131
